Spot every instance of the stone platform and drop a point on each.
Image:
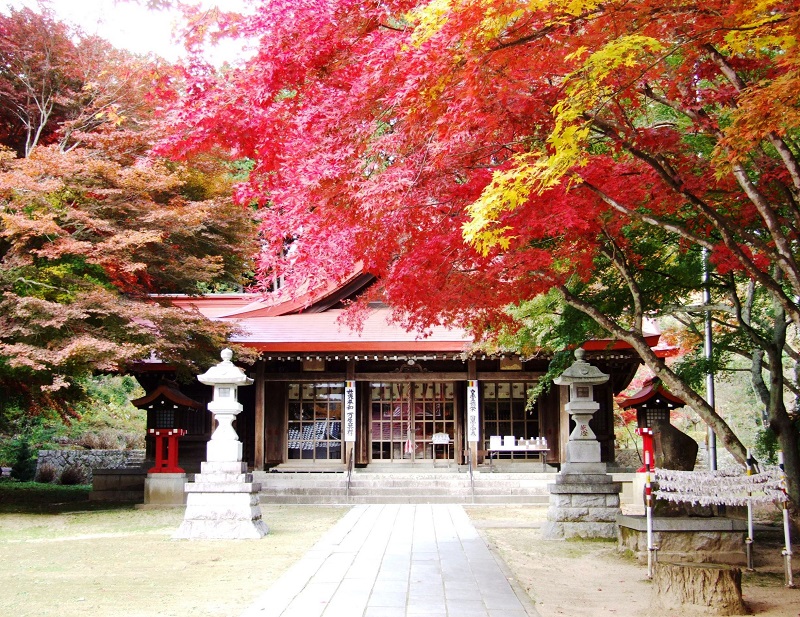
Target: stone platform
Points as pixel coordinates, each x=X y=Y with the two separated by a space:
x=124 y=484
x=583 y=506
x=164 y=490
x=686 y=539
x=222 y=503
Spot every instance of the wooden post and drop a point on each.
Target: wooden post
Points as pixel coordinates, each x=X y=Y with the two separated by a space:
x=259 y=436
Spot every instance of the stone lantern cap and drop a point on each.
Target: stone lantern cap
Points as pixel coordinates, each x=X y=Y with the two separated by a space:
x=581 y=372
x=225 y=373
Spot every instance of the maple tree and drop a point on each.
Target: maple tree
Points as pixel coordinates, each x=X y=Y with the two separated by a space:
x=38 y=77
x=84 y=242
x=93 y=229
x=476 y=154
x=57 y=83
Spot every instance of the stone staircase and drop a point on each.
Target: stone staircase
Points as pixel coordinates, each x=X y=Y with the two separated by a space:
x=136 y=459
x=416 y=486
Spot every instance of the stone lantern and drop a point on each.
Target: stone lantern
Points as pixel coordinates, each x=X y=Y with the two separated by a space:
x=225 y=378
x=584 y=501
x=583 y=449
x=222 y=502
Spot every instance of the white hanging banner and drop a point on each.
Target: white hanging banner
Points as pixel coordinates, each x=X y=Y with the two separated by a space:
x=349 y=411
x=473 y=412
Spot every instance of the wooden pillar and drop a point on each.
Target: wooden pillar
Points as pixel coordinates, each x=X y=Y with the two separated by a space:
x=259 y=437
x=364 y=424
x=550 y=423
x=276 y=421
x=563 y=414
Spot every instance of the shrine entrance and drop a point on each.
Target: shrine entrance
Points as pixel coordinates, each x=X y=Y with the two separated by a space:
x=409 y=421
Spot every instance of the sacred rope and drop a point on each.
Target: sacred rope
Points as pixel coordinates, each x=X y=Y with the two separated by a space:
x=727 y=487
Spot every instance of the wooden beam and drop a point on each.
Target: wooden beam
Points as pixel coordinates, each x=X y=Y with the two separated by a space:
x=397 y=377
x=508 y=376
x=409 y=377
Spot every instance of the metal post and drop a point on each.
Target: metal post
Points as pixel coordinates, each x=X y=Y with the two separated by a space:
x=708 y=348
x=648 y=494
x=787 y=551
x=749 y=540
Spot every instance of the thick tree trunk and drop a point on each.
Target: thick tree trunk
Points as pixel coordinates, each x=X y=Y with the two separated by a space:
x=712 y=588
x=788 y=440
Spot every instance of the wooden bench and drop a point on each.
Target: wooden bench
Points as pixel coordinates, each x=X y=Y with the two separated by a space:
x=509 y=443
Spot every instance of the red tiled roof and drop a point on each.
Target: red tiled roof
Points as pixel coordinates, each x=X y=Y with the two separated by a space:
x=171 y=394
x=247 y=305
x=651 y=389
x=322 y=332
x=215 y=305
x=284 y=327
x=652 y=336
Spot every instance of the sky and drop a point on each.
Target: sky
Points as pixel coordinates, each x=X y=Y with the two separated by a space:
x=129 y=25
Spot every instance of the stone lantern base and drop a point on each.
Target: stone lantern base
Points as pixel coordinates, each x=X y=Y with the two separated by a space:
x=583 y=505
x=222 y=504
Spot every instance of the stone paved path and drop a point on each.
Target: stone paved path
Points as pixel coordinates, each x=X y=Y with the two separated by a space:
x=396 y=561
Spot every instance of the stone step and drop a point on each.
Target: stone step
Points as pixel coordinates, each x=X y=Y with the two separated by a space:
x=323 y=478
x=343 y=499
x=478 y=489
x=404 y=487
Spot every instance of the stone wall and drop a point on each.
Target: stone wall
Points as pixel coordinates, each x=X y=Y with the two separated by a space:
x=88 y=460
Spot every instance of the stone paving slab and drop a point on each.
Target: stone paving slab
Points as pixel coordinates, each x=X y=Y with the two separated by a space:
x=397 y=561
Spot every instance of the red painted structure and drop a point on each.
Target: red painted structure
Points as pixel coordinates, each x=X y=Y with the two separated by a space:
x=168 y=463
x=652 y=403
x=647 y=447
x=170 y=415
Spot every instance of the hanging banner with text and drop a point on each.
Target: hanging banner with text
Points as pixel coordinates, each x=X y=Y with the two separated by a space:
x=349 y=411
x=473 y=414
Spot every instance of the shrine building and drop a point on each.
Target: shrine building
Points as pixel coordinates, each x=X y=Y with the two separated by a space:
x=324 y=393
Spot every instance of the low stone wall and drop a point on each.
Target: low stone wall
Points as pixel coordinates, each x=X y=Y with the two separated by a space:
x=87 y=460
x=123 y=484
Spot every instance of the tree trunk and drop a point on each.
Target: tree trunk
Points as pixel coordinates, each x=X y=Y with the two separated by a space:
x=714 y=589
x=674 y=383
x=787 y=435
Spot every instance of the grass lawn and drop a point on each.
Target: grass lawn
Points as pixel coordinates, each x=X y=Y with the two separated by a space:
x=62 y=555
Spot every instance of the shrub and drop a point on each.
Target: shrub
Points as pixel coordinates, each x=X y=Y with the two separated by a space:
x=766 y=446
x=46 y=474
x=90 y=441
x=132 y=440
x=23 y=460
x=73 y=475
x=104 y=439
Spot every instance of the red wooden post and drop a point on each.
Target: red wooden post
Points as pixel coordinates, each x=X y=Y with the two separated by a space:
x=647 y=446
